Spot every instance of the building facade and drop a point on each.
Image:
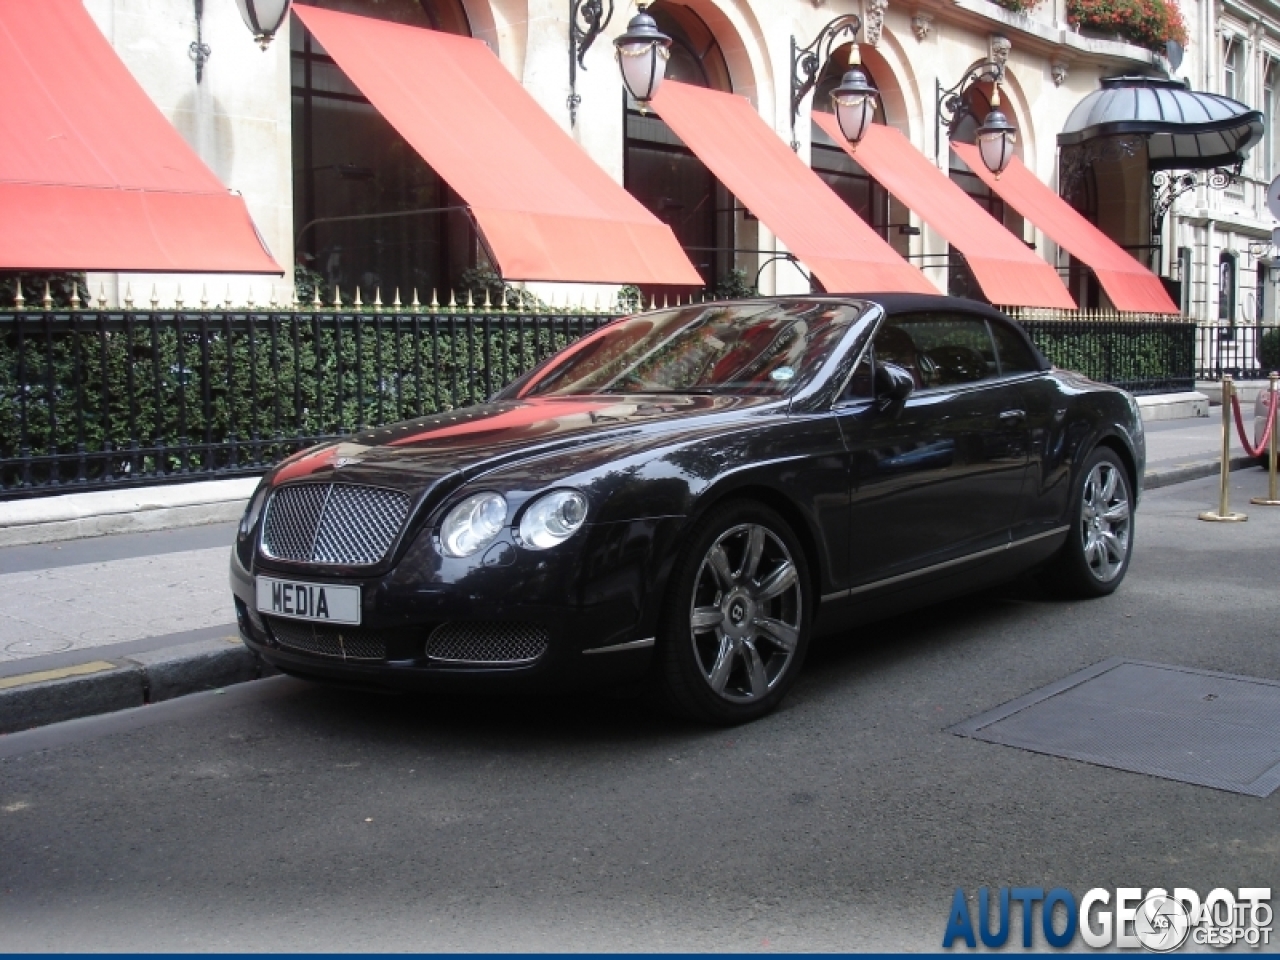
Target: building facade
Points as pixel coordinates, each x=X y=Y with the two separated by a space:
x=334 y=189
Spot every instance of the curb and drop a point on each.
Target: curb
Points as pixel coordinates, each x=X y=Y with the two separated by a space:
x=105 y=686
x=1154 y=479
x=73 y=516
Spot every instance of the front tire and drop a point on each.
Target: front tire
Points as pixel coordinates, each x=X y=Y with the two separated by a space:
x=1095 y=558
x=737 y=624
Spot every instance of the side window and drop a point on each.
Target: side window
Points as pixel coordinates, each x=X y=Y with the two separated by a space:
x=951 y=348
x=1012 y=351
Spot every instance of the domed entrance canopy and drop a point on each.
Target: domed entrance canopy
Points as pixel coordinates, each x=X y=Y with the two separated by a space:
x=1185 y=130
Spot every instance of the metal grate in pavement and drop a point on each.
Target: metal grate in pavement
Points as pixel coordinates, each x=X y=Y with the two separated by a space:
x=1211 y=729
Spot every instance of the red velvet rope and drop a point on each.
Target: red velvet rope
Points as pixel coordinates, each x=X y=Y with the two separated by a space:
x=1266 y=434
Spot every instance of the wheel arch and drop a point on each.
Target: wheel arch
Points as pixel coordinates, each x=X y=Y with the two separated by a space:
x=782 y=505
x=1117 y=444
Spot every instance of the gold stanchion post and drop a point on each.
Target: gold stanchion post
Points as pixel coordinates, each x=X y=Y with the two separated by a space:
x=1272 y=499
x=1223 y=514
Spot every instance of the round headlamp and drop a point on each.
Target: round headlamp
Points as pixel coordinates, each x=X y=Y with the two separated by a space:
x=553 y=519
x=472 y=524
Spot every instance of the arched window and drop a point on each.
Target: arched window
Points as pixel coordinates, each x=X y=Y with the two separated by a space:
x=839 y=171
x=664 y=175
x=368 y=210
x=1227 y=287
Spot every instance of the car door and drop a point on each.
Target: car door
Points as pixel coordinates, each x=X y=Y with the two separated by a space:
x=1044 y=498
x=939 y=478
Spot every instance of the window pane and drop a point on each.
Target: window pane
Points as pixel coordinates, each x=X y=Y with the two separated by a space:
x=1014 y=354
x=938 y=349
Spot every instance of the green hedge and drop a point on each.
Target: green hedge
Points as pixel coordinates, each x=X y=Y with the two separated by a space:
x=1140 y=357
x=91 y=385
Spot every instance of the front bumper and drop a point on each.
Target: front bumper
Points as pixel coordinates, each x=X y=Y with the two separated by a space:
x=594 y=605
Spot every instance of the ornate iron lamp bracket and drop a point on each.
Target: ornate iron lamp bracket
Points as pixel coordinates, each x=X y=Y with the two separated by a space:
x=1168 y=185
x=1074 y=161
x=199 y=51
x=807 y=62
x=587 y=20
x=951 y=105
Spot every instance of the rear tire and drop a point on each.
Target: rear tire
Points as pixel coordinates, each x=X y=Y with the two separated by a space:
x=1095 y=558
x=737 y=624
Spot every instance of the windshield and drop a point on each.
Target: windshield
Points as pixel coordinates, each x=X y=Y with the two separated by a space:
x=763 y=349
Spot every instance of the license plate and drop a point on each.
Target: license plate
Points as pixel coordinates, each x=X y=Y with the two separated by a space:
x=322 y=602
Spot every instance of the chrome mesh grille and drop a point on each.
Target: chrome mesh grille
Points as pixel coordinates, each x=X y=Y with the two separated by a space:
x=343 y=643
x=338 y=523
x=485 y=641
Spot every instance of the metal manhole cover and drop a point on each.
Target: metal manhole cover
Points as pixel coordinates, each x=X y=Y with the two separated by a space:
x=1211 y=729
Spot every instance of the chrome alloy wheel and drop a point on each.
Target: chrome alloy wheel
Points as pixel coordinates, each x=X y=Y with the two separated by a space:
x=1105 y=519
x=745 y=616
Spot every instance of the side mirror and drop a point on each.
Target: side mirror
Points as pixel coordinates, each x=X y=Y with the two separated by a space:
x=893 y=386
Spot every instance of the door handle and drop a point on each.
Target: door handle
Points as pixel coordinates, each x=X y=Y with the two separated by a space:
x=1011 y=415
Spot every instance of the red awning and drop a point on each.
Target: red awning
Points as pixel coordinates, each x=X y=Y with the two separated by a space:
x=1130 y=285
x=545 y=209
x=1009 y=273
x=92 y=176
x=729 y=136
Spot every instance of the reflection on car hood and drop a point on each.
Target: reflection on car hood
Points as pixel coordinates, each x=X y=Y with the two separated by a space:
x=419 y=454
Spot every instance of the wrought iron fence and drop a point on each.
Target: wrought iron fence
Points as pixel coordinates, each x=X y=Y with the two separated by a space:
x=97 y=398
x=91 y=399
x=1245 y=351
x=1142 y=353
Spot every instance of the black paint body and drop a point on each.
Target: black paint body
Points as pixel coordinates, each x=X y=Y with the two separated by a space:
x=942 y=493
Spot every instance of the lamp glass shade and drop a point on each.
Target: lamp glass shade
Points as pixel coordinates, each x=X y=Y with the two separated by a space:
x=854 y=102
x=996 y=138
x=643 y=52
x=263 y=18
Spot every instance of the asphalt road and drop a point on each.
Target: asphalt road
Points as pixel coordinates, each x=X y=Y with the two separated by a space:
x=284 y=816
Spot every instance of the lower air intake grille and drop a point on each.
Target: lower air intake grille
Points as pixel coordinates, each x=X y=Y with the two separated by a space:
x=342 y=643
x=487 y=642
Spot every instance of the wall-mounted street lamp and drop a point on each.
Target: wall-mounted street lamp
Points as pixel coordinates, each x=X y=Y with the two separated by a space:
x=854 y=102
x=643 y=52
x=263 y=18
x=587 y=18
x=807 y=63
x=997 y=136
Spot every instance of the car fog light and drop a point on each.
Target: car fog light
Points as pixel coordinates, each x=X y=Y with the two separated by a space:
x=472 y=524
x=553 y=519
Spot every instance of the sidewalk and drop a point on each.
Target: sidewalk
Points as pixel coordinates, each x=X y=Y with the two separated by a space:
x=120 y=602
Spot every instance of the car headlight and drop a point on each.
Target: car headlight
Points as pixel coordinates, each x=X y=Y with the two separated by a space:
x=472 y=524
x=553 y=519
x=253 y=511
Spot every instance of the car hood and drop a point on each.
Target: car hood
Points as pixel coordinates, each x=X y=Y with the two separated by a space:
x=445 y=449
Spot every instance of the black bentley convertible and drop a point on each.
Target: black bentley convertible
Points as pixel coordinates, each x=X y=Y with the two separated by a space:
x=690 y=495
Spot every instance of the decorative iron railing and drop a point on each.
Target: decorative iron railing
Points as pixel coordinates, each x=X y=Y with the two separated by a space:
x=1140 y=352
x=1246 y=352
x=91 y=399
